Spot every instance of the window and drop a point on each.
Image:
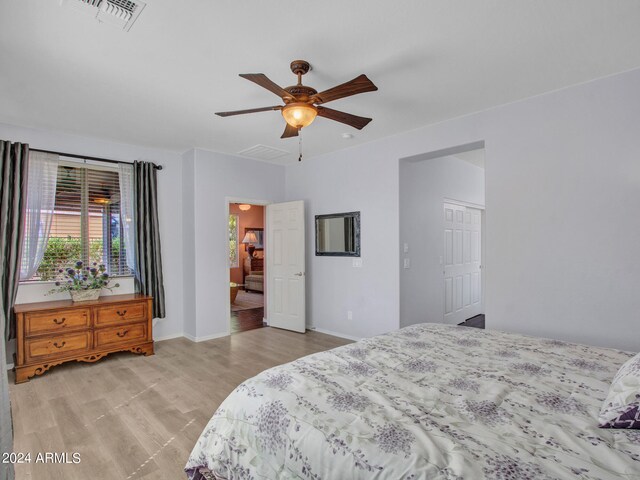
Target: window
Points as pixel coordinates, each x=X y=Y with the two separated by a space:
x=86 y=223
x=233 y=241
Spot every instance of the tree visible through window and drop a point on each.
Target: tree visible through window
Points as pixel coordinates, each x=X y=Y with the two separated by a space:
x=233 y=241
x=86 y=223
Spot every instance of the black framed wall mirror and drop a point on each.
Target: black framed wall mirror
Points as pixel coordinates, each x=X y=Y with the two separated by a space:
x=338 y=235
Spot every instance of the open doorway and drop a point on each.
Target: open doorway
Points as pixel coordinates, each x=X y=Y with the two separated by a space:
x=246 y=266
x=442 y=232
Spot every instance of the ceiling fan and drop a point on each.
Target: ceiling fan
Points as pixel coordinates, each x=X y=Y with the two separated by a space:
x=302 y=103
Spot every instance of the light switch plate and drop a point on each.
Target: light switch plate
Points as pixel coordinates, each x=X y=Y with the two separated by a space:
x=406 y=248
x=407 y=263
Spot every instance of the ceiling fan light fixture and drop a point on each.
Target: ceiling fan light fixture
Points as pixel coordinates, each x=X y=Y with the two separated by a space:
x=299 y=114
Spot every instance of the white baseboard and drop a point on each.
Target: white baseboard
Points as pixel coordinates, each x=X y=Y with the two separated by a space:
x=206 y=337
x=9 y=366
x=335 y=334
x=190 y=337
x=168 y=337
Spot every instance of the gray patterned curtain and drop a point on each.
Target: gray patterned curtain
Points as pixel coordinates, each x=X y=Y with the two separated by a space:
x=13 y=197
x=148 y=252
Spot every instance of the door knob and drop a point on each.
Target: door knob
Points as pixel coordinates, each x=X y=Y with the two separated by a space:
x=299 y=274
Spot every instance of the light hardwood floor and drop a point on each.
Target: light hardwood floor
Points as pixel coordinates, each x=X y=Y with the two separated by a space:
x=133 y=417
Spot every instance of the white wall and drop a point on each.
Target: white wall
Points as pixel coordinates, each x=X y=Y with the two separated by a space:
x=563 y=180
x=188 y=244
x=169 y=188
x=424 y=186
x=193 y=191
x=216 y=179
x=562 y=183
x=351 y=180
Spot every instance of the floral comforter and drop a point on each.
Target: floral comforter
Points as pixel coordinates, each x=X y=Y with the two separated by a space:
x=424 y=402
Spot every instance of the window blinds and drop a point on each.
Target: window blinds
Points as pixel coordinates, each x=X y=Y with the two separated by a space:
x=86 y=224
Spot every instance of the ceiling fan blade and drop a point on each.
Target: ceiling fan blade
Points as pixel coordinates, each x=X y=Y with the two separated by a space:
x=262 y=80
x=359 y=84
x=289 y=131
x=342 y=117
x=251 y=110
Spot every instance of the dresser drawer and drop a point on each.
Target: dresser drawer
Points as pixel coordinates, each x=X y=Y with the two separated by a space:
x=57 y=345
x=119 y=314
x=106 y=337
x=56 y=322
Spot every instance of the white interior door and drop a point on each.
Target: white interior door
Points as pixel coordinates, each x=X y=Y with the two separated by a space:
x=285 y=266
x=462 y=263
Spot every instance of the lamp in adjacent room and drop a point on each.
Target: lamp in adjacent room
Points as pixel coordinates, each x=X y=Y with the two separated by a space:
x=244 y=207
x=249 y=239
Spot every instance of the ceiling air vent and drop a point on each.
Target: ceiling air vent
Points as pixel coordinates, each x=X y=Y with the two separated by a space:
x=263 y=152
x=121 y=13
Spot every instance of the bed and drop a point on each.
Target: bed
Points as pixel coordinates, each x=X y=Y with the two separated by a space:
x=425 y=402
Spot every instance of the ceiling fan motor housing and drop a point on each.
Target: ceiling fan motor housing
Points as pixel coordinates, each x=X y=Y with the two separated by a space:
x=302 y=93
x=300 y=67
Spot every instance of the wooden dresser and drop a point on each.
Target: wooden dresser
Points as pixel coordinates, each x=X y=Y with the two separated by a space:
x=50 y=333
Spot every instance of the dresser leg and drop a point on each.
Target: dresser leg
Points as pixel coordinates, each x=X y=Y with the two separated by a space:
x=23 y=374
x=146 y=349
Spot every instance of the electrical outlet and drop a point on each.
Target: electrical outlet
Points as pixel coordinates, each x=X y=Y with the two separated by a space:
x=406 y=248
x=407 y=263
x=357 y=263
x=349 y=315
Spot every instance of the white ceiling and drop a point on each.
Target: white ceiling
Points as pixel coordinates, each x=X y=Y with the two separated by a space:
x=160 y=84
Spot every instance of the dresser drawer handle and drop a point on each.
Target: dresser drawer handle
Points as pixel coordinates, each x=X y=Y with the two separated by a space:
x=59 y=322
x=121 y=313
x=55 y=344
x=122 y=334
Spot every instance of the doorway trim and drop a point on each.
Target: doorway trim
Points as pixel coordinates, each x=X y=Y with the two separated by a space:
x=446 y=151
x=463 y=204
x=251 y=201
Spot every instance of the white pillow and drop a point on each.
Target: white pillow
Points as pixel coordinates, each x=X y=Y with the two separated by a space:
x=621 y=409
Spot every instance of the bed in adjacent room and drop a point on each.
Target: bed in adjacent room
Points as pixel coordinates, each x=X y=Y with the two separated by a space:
x=425 y=402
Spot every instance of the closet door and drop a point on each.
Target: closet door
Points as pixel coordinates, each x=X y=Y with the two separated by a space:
x=462 y=263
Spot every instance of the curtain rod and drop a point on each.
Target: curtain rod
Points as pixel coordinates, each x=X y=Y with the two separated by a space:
x=85 y=157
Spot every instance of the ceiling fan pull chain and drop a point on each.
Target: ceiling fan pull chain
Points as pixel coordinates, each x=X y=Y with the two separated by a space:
x=300 y=144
